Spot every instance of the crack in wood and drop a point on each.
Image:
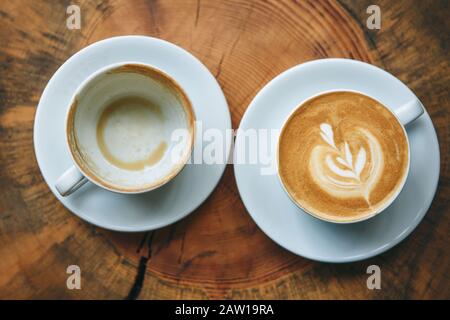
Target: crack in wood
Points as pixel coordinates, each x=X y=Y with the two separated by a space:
x=219 y=67
x=197 y=12
x=142 y=267
x=143 y=240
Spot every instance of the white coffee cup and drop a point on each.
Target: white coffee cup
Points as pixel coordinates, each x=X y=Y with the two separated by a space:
x=119 y=127
x=405 y=114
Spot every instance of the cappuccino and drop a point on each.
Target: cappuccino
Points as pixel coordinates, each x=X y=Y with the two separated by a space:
x=342 y=156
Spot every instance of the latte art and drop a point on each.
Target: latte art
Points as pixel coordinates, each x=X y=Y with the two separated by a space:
x=342 y=156
x=339 y=171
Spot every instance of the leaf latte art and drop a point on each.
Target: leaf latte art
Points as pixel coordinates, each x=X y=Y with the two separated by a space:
x=339 y=171
x=342 y=156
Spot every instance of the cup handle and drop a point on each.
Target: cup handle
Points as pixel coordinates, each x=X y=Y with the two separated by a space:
x=70 y=181
x=409 y=112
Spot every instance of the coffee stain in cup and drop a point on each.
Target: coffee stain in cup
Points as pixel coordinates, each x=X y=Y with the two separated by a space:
x=140 y=103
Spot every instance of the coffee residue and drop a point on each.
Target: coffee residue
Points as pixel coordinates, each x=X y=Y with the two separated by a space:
x=137 y=103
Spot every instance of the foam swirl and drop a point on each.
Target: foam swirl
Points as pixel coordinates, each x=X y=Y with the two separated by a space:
x=348 y=170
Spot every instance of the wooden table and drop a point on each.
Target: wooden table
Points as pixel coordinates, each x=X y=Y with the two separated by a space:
x=218 y=251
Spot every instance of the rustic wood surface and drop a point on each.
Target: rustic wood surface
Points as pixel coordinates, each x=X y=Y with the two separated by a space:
x=218 y=251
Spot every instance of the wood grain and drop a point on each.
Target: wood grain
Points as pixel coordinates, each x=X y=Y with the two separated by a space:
x=218 y=251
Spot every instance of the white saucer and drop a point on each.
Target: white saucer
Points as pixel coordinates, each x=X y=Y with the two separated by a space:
x=151 y=210
x=297 y=231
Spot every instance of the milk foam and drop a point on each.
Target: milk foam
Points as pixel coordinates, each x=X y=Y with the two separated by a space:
x=338 y=171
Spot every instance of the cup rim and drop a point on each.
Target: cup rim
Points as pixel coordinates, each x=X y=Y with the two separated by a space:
x=361 y=218
x=71 y=139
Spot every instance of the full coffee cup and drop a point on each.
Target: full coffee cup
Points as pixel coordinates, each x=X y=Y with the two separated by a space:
x=343 y=156
x=119 y=126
